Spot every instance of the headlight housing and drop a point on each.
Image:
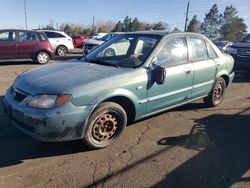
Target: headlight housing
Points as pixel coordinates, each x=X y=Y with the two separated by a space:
x=231 y=50
x=45 y=101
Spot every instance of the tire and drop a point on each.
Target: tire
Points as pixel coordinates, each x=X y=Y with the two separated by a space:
x=217 y=94
x=62 y=51
x=109 y=52
x=105 y=125
x=42 y=57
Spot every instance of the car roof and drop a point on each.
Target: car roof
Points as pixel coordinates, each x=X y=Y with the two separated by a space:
x=22 y=30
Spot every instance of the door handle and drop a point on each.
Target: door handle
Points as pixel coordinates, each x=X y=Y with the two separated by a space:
x=187 y=70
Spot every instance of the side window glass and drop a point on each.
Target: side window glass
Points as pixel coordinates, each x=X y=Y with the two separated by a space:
x=50 y=35
x=173 y=52
x=7 y=36
x=199 y=49
x=58 y=35
x=211 y=53
x=27 y=36
x=42 y=37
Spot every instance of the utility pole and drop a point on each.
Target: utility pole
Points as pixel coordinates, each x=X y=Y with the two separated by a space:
x=186 y=20
x=25 y=13
x=93 y=24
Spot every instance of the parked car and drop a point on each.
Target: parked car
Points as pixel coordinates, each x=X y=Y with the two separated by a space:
x=100 y=94
x=79 y=41
x=222 y=44
x=97 y=36
x=24 y=45
x=93 y=43
x=241 y=53
x=60 y=41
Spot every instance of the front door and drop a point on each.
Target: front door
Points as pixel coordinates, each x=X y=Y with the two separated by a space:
x=173 y=56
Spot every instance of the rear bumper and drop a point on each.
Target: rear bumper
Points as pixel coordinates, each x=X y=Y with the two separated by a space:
x=59 y=124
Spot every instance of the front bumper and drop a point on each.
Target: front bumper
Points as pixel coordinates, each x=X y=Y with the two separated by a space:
x=58 y=124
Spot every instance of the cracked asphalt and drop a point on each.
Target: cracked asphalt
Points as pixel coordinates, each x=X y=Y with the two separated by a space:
x=191 y=146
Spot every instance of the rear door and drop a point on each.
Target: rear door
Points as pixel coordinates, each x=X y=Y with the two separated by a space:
x=205 y=69
x=8 y=48
x=27 y=41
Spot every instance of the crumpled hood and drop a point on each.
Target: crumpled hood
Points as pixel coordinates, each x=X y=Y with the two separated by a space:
x=61 y=77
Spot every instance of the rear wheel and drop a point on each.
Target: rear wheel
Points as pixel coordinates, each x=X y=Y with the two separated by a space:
x=217 y=94
x=105 y=126
x=109 y=52
x=62 y=51
x=42 y=57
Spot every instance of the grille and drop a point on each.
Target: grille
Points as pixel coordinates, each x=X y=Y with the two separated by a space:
x=23 y=125
x=18 y=95
x=244 y=51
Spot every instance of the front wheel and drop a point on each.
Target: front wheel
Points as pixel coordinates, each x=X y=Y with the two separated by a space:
x=42 y=57
x=217 y=94
x=62 y=50
x=105 y=126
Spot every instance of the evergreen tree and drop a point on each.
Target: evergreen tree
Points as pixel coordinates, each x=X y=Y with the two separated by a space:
x=134 y=25
x=233 y=27
x=194 y=25
x=118 y=27
x=127 y=24
x=212 y=23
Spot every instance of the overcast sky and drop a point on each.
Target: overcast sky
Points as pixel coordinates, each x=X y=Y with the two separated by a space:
x=39 y=12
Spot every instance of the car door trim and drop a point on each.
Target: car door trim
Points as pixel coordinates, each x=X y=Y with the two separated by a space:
x=174 y=92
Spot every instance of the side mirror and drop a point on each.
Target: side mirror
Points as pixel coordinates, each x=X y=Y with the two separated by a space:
x=159 y=74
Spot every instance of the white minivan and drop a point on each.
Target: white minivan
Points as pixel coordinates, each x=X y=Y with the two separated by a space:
x=60 y=41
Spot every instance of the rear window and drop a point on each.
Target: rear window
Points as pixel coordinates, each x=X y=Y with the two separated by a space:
x=54 y=35
x=7 y=36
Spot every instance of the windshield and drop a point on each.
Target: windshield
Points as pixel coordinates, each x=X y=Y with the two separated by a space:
x=246 y=38
x=106 y=37
x=125 y=50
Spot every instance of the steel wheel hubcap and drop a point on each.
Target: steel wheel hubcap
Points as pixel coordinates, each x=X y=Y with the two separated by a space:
x=105 y=127
x=218 y=92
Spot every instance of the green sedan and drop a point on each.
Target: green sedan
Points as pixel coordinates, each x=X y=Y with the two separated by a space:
x=94 y=98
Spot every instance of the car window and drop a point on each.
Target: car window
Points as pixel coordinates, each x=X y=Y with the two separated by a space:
x=211 y=53
x=27 y=36
x=173 y=52
x=59 y=35
x=50 y=34
x=128 y=50
x=42 y=37
x=198 y=49
x=7 y=36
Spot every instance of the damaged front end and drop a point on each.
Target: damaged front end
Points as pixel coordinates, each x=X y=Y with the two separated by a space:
x=56 y=124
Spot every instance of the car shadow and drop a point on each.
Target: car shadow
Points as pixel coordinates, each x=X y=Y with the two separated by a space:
x=18 y=63
x=222 y=142
x=15 y=146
